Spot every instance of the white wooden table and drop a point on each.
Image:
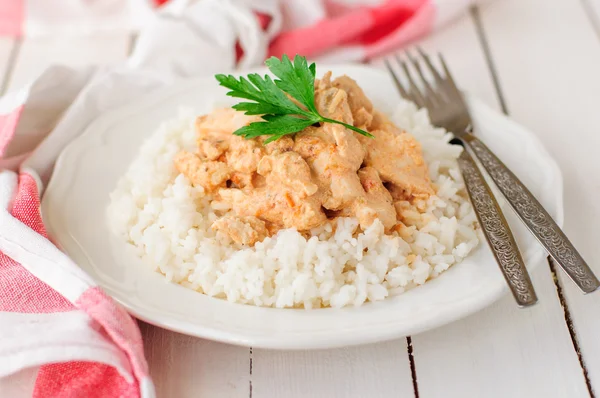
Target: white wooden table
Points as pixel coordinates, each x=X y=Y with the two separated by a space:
x=538 y=61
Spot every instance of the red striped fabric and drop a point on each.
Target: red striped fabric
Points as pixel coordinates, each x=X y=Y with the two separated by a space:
x=22 y=292
x=12 y=17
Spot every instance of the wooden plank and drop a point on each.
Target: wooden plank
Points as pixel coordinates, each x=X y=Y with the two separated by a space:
x=36 y=54
x=554 y=90
x=183 y=366
x=374 y=371
x=592 y=9
x=502 y=351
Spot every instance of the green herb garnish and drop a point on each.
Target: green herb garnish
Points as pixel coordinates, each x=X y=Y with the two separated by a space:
x=280 y=114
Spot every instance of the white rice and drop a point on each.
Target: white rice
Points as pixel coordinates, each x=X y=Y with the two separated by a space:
x=168 y=221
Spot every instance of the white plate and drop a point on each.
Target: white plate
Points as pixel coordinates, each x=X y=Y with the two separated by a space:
x=87 y=171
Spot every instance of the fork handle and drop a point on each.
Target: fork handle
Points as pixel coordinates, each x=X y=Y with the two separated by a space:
x=497 y=232
x=534 y=216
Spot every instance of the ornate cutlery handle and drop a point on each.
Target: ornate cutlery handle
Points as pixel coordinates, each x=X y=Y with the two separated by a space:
x=497 y=232
x=535 y=217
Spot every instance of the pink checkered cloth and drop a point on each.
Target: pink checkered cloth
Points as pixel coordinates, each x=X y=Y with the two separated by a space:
x=52 y=315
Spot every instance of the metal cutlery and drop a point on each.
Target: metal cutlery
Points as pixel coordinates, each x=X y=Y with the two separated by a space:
x=447 y=108
x=497 y=232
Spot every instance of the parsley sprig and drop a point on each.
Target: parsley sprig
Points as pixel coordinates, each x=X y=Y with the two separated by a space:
x=281 y=116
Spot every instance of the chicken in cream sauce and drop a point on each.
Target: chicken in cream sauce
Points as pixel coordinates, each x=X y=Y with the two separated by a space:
x=302 y=181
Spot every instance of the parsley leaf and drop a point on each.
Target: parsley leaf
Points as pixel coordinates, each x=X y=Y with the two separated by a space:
x=298 y=80
x=275 y=126
x=271 y=99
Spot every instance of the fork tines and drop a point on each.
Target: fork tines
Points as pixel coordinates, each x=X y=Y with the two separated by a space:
x=420 y=90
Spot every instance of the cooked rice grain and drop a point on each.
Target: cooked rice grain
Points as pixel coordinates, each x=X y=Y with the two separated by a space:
x=168 y=221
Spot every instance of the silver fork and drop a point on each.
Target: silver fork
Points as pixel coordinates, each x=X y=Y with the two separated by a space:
x=447 y=108
x=445 y=111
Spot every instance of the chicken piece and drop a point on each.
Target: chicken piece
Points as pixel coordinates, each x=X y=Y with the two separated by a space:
x=333 y=166
x=242 y=180
x=345 y=187
x=362 y=119
x=281 y=209
x=244 y=230
x=287 y=198
x=356 y=96
x=277 y=207
x=382 y=122
x=316 y=148
x=243 y=155
x=208 y=174
x=324 y=82
x=212 y=145
x=333 y=103
x=374 y=202
x=360 y=106
x=288 y=170
x=378 y=201
x=397 y=157
x=283 y=144
x=225 y=120
x=333 y=152
x=215 y=131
